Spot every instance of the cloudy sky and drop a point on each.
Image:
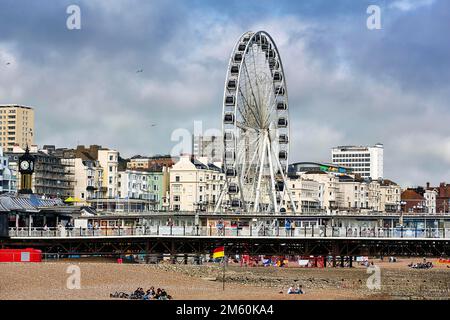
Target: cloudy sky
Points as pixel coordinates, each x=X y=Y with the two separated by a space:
x=347 y=84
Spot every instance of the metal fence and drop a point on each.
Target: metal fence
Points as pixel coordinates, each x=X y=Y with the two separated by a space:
x=250 y=231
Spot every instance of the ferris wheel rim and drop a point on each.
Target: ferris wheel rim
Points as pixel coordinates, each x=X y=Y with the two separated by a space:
x=227 y=78
x=237 y=49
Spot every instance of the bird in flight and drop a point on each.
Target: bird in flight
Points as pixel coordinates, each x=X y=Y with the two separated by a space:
x=140 y=70
x=8 y=63
x=153 y=125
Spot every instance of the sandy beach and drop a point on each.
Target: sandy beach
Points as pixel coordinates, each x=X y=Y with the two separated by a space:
x=99 y=278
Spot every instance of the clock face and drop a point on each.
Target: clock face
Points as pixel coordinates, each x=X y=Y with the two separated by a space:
x=24 y=165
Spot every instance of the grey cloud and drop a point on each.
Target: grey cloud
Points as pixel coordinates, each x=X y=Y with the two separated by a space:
x=346 y=85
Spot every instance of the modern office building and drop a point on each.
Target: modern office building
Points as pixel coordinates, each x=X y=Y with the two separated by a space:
x=210 y=147
x=16 y=126
x=364 y=160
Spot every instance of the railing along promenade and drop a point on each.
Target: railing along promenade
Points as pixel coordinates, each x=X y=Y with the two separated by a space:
x=247 y=231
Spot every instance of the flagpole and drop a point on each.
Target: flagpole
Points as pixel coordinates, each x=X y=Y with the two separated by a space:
x=223 y=273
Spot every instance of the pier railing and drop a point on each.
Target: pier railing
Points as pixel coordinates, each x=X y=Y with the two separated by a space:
x=248 y=231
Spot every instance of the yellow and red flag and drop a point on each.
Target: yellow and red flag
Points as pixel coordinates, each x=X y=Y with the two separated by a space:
x=219 y=252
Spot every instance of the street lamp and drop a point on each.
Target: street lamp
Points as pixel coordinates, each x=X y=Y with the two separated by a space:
x=402 y=203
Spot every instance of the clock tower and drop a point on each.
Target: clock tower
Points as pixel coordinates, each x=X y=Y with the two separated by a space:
x=26 y=169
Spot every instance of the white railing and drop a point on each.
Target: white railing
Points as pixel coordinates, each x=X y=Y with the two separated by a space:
x=247 y=231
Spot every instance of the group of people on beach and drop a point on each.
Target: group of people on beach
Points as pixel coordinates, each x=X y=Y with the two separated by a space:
x=140 y=294
x=421 y=265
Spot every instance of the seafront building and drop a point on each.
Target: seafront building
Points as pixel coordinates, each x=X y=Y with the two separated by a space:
x=109 y=161
x=364 y=160
x=50 y=177
x=148 y=163
x=195 y=184
x=16 y=126
x=7 y=178
x=330 y=195
x=134 y=184
x=88 y=180
x=442 y=194
x=306 y=194
x=420 y=200
x=159 y=184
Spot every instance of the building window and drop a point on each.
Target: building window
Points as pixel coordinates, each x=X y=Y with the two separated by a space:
x=177 y=178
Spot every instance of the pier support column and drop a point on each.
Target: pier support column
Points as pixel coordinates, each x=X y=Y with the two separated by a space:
x=147 y=252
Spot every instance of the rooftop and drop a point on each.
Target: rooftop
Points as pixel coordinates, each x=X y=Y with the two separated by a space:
x=15 y=106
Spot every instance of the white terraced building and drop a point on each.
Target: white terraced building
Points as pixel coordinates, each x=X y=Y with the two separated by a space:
x=195 y=184
x=88 y=179
x=306 y=195
x=7 y=178
x=109 y=161
x=133 y=184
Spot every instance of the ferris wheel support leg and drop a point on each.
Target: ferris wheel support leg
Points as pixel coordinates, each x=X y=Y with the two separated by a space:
x=255 y=208
x=245 y=174
x=241 y=189
x=294 y=209
x=272 y=178
x=219 y=201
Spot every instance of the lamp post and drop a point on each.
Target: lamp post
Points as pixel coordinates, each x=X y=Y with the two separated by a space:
x=402 y=203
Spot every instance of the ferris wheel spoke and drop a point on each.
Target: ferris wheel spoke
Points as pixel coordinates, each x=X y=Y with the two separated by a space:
x=272 y=177
x=260 y=174
x=252 y=92
x=249 y=106
x=271 y=107
x=250 y=163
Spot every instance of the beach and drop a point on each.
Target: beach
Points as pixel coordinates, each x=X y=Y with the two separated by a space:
x=99 y=278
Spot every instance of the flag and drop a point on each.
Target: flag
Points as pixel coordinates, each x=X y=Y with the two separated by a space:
x=219 y=252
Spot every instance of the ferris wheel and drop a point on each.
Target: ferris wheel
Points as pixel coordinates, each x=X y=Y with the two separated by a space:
x=255 y=128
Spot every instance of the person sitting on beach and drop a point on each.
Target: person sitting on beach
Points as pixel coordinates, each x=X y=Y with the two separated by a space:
x=139 y=293
x=147 y=295
x=157 y=294
x=291 y=290
x=299 y=290
x=163 y=295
